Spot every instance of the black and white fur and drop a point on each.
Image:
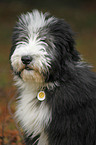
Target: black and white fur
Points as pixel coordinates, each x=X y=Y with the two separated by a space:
x=67 y=116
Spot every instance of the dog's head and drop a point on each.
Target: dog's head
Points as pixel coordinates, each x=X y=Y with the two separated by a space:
x=42 y=46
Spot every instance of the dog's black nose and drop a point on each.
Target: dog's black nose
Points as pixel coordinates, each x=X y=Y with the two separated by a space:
x=26 y=59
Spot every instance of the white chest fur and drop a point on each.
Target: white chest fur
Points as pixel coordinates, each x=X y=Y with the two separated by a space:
x=32 y=114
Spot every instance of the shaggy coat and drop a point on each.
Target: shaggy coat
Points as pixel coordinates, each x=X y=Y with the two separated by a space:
x=43 y=58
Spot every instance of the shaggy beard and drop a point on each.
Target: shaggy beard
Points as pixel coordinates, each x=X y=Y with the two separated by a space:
x=32 y=76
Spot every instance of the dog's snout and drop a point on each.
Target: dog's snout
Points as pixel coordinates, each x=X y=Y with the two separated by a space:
x=26 y=59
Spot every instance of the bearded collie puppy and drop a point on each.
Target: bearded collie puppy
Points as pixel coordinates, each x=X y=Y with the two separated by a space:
x=57 y=90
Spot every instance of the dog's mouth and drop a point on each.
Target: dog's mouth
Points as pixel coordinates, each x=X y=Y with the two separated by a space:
x=30 y=74
x=27 y=68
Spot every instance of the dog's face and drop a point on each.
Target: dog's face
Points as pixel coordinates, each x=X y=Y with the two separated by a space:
x=31 y=60
x=41 y=46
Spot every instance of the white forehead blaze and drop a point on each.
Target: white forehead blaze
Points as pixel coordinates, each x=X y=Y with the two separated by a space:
x=31 y=23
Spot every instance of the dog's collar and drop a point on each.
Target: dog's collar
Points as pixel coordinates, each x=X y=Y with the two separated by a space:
x=41 y=96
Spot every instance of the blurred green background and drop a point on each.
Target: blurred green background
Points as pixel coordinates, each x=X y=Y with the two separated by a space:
x=80 y=14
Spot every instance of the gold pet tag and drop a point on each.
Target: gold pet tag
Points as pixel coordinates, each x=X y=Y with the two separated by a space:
x=41 y=96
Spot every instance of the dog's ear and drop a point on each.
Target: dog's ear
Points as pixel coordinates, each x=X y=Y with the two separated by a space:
x=65 y=54
x=64 y=40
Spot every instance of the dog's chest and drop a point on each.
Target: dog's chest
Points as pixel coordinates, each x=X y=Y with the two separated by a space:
x=32 y=114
